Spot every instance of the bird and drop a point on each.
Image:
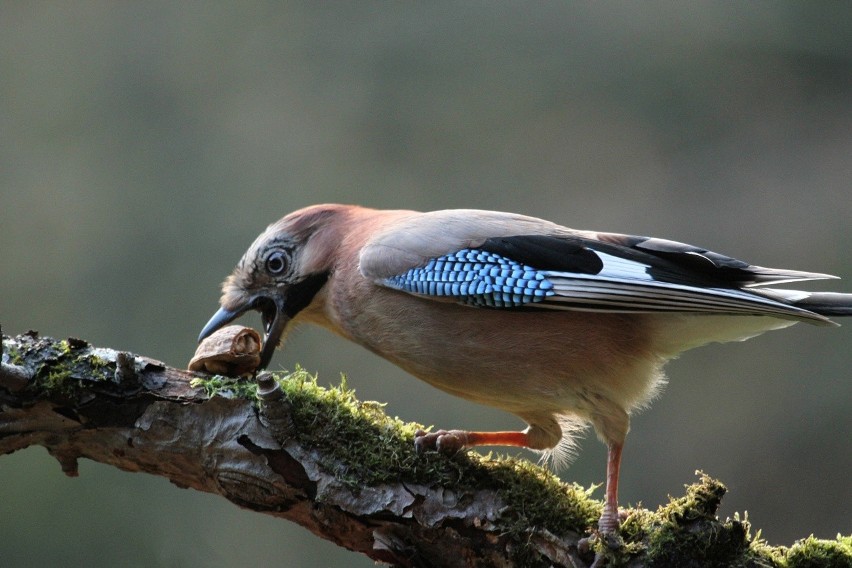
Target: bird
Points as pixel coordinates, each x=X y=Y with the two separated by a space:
x=563 y=328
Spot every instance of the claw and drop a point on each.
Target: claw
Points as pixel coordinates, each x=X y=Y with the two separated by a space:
x=447 y=442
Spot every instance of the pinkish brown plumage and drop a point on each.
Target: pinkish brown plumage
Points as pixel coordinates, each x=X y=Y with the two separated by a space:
x=554 y=325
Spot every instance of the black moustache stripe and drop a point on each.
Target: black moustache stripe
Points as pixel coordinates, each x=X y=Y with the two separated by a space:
x=300 y=294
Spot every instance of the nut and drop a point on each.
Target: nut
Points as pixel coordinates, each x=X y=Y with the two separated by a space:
x=233 y=351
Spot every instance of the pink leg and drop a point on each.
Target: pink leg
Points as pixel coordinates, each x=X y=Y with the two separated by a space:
x=609 y=519
x=451 y=441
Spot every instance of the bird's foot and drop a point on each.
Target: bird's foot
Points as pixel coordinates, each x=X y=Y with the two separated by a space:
x=610 y=545
x=447 y=442
x=608 y=537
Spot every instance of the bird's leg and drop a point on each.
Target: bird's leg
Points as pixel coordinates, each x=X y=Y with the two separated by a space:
x=609 y=520
x=543 y=432
x=451 y=441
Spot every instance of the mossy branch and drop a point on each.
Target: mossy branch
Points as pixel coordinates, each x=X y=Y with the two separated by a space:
x=343 y=469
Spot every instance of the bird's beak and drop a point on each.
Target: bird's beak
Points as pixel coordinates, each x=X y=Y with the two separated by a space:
x=274 y=321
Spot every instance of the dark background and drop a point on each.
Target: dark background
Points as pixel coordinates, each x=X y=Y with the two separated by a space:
x=143 y=146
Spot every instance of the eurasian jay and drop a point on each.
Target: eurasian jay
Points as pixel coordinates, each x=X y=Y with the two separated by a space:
x=557 y=326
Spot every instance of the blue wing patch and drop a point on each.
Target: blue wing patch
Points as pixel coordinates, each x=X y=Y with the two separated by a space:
x=477 y=278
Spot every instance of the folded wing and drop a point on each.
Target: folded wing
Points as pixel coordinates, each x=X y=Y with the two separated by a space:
x=561 y=269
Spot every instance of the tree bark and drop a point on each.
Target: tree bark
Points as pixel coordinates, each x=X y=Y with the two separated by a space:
x=260 y=452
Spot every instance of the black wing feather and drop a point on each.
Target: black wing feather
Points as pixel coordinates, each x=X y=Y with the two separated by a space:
x=564 y=254
x=667 y=261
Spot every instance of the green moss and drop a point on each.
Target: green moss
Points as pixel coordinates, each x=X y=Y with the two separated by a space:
x=57 y=379
x=816 y=553
x=760 y=550
x=536 y=498
x=15 y=357
x=101 y=369
x=362 y=446
x=64 y=348
x=227 y=387
x=686 y=532
x=69 y=367
x=60 y=380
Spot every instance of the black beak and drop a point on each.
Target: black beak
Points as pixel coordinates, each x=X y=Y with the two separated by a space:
x=274 y=321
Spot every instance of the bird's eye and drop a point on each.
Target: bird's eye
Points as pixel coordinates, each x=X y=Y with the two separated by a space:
x=276 y=263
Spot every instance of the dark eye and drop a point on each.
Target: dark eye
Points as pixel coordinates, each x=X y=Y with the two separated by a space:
x=276 y=263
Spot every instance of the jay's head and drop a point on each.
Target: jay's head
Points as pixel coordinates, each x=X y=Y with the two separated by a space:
x=281 y=273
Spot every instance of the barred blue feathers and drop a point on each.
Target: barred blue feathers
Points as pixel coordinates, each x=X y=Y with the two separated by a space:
x=477 y=278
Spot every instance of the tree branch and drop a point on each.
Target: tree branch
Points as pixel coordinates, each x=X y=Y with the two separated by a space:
x=341 y=468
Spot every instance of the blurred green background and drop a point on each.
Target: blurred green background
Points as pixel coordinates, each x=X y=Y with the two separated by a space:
x=143 y=146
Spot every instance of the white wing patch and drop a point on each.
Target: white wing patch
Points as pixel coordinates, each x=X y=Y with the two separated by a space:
x=616 y=267
x=625 y=285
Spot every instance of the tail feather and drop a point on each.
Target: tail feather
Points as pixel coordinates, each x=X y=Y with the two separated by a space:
x=827 y=303
x=822 y=303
